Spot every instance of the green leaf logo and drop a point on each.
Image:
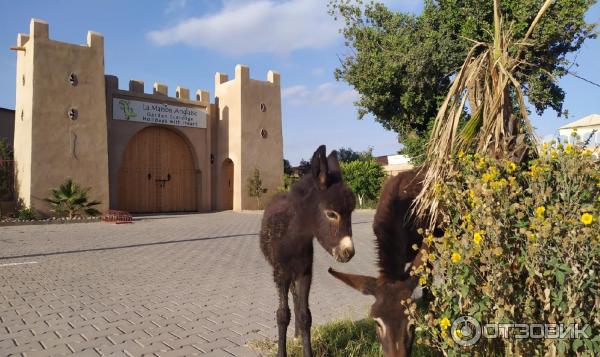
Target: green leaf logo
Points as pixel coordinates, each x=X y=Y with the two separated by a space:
x=127 y=110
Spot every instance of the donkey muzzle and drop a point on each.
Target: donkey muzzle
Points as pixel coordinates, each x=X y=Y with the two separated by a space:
x=344 y=251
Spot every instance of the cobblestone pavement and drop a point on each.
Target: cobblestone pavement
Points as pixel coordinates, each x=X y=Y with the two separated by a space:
x=165 y=285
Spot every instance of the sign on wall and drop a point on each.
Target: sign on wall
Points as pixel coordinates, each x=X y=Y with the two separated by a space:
x=158 y=113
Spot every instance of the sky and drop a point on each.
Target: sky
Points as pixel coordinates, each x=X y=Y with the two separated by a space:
x=184 y=42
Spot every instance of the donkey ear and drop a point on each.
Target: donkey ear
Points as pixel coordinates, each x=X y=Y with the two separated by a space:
x=333 y=165
x=365 y=284
x=319 y=167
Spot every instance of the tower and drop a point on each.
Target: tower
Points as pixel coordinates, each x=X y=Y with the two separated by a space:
x=249 y=136
x=61 y=108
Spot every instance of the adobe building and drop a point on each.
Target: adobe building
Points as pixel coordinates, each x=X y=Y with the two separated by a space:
x=139 y=152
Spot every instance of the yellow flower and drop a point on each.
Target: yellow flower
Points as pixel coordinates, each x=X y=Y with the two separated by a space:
x=468 y=217
x=569 y=148
x=587 y=218
x=455 y=257
x=539 y=212
x=587 y=153
x=460 y=154
x=511 y=167
x=444 y=323
x=553 y=154
x=429 y=239
x=477 y=237
x=486 y=177
x=481 y=163
x=545 y=146
x=458 y=333
x=422 y=280
x=532 y=236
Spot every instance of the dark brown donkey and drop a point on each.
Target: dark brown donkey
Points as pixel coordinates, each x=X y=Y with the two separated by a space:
x=319 y=205
x=395 y=237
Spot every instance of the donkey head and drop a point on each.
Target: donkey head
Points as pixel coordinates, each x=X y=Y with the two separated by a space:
x=389 y=310
x=335 y=203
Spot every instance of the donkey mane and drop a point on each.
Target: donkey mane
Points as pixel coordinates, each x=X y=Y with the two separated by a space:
x=396 y=232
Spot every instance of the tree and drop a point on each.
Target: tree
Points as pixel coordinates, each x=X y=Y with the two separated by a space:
x=72 y=201
x=255 y=186
x=287 y=168
x=402 y=64
x=364 y=178
x=304 y=167
x=348 y=155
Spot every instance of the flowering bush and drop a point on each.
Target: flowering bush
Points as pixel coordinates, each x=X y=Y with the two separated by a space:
x=522 y=245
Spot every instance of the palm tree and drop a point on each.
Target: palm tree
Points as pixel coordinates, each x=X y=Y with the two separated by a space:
x=71 y=200
x=487 y=81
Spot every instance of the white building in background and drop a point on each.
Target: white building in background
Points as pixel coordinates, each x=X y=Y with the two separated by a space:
x=394 y=164
x=585 y=127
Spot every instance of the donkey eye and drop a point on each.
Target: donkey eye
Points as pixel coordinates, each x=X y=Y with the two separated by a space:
x=332 y=215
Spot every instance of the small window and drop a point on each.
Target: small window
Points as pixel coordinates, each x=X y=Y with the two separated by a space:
x=73 y=79
x=73 y=114
x=263 y=107
x=264 y=133
x=23 y=79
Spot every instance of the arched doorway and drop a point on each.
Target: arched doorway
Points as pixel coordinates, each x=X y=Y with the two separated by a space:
x=227 y=184
x=157 y=173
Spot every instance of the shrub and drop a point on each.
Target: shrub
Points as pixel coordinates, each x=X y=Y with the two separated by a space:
x=27 y=214
x=71 y=201
x=255 y=187
x=364 y=177
x=522 y=245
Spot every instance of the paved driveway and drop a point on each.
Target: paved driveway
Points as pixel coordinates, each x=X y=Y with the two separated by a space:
x=168 y=285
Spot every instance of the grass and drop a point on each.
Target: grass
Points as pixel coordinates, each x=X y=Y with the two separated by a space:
x=339 y=338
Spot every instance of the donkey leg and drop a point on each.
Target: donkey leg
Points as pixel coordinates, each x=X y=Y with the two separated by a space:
x=283 y=316
x=304 y=317
x=297 y=327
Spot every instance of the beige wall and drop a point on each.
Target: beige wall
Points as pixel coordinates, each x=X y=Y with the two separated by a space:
x=240 y=123
x=62 y=147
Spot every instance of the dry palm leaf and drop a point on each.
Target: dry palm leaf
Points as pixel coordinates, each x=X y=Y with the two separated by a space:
x=486 y=79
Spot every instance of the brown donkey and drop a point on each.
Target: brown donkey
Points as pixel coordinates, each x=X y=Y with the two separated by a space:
x=395 y=237
x=319 y=205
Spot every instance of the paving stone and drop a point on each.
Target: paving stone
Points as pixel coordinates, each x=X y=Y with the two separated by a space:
x=166 y=285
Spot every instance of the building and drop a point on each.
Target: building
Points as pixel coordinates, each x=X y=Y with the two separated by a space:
x=7 y=124
x=137 y=151
x=587 y=129
x=394 y=164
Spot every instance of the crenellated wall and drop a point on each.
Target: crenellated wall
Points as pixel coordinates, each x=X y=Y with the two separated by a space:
x=60 y=126
x=66 y=126
x=250 y=132
x=120 y=133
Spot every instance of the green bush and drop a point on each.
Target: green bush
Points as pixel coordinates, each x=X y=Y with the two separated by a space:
x=27 y=214
x=70 y=200
x=364 y=177
x=522 y=245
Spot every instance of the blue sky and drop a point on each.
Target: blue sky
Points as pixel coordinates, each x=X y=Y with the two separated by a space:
x=184 y=42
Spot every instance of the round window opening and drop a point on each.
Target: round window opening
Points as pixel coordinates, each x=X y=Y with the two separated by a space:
x=73 y=114
x=264 y=133
x=263 y=107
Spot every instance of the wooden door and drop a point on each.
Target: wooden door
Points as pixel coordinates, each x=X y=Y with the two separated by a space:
x=178 y=189
x=157 y=173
